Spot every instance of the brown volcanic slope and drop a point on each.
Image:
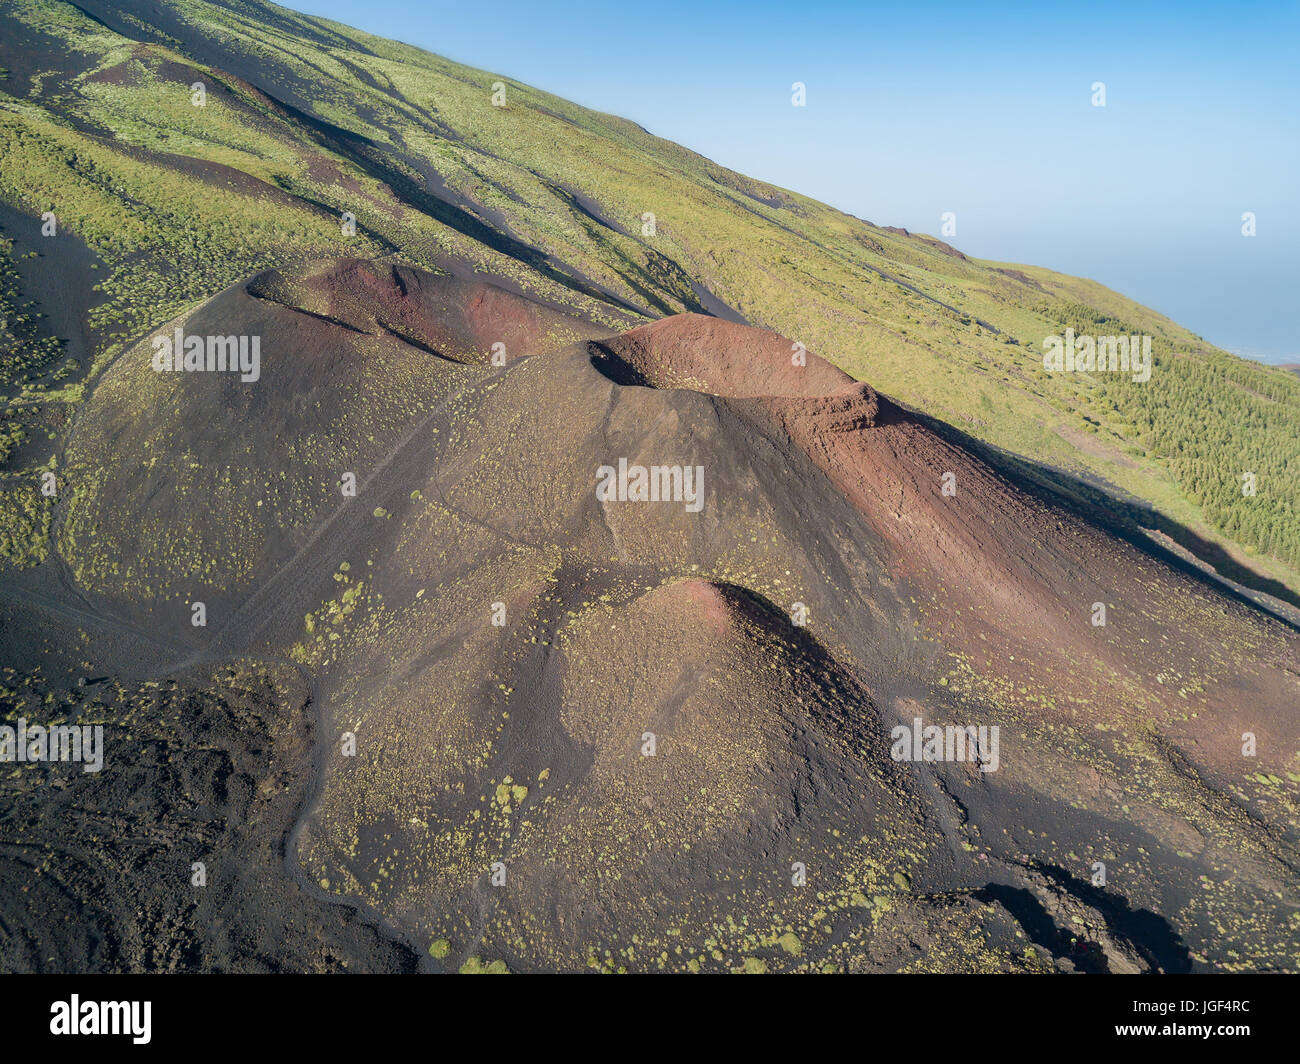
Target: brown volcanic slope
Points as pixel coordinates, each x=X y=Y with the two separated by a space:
x=503 y=647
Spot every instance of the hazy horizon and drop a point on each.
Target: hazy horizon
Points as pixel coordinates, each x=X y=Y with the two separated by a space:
x=985 y=114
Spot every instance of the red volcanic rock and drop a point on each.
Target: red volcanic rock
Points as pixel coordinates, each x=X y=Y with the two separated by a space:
x=719 y=357
x=458 y=319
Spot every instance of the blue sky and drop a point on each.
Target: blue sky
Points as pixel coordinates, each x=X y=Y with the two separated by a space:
x=919 y=108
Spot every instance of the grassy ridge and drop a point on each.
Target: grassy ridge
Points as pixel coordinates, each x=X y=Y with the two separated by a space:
x=306 y=118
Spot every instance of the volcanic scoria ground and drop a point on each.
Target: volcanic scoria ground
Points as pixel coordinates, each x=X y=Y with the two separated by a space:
x=417 y=727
